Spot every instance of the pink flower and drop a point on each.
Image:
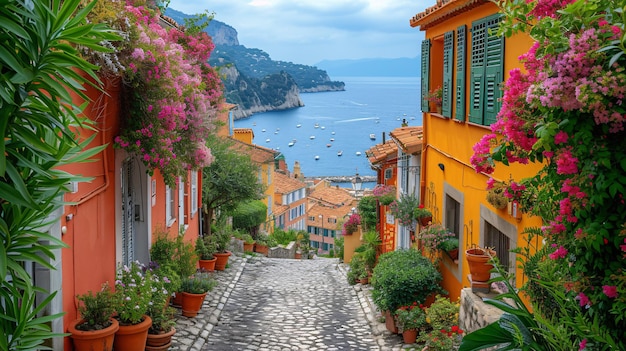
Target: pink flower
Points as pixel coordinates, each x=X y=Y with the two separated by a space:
x=560 y=138
x=582 y=345
x=583 y=300
x=561 y=252
x=610 y=291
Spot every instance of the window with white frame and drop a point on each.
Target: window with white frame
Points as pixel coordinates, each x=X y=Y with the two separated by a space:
x=170 y=206
x=194 y=192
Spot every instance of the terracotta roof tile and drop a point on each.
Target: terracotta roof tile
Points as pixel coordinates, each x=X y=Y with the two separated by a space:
x=443 y=10
x=283 y=184
x=331 y=196
x=380 y=152
x=257 y=153
x=277 y=210
x=409 y=139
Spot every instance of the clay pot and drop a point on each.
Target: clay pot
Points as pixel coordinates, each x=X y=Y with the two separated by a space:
x=477 y=259
x=207 y=265
x=160 y=342
x=390 y=322
x=132 y=337
x=177 y=300
x=222 y=260
x=93 y=340
x=248 y=247
x=192 y=303
x=409 y=336
x=262 y=249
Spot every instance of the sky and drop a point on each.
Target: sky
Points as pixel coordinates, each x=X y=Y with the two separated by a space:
x=309 y=31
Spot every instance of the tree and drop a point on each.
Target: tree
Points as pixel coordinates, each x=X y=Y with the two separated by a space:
x=38 y=123
x=229 y=181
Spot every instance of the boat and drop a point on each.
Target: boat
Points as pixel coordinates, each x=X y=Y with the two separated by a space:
x=267 y=140
x=317 y=125
x=339 y=153
x=298 y=125
x=333 y=133
x=328 y=145
x=332 y=139
x=322 y=127
x=373 y=136
x=312 y=137
x=290 y=143
x=276 y=132
x=317 y=157
x=263 y=130
x=277 y=129
x=358 y=153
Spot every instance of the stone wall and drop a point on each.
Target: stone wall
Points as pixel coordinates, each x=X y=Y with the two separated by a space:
x=474 y=313
x=283 y=252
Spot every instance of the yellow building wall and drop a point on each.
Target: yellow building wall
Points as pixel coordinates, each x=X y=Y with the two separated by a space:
x=450 y=143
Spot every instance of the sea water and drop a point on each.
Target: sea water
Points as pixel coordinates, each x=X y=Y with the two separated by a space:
x=333 y=122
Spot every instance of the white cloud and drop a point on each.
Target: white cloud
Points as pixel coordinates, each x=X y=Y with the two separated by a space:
x=308 y=31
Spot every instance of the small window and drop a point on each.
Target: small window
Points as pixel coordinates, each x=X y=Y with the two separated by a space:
x=194 y=192
x=388 y=173
x=500 y=242
x=170 y=206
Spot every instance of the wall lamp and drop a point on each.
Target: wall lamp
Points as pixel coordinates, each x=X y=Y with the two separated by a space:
x=441 y=166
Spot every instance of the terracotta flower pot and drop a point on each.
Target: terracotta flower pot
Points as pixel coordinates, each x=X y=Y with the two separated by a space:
x=477 y=259
x=390 y=322
x=161 y=341
x=192 y=303
x=222 y=260
x=409 y=336
x=262 y=249
x=248 y=247
x=177 y=300
x=207 y=265
x=132 y=337
x=424 y=221
x=93 y=340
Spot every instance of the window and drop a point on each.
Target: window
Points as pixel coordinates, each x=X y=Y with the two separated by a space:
x=461 y=48
x=194 y=192
x=425 y=62
x=487 y=70
x=448 y=66
x=170 y=206
x=500 y=242
x=453 y=215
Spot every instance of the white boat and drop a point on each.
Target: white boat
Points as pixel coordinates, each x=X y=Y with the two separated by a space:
x=322 y=127
x=358 y=153
x=332 y=139
x=298 y=125
x=339 y=153
x=373 y=136
x=333 y=133
x=312 y=137
x=290 y=143
x=267 y=140
x=263 y=130
x=276 y=132
x=277 y=129
x=328 y=145
x=317 y=125
x=317 y=157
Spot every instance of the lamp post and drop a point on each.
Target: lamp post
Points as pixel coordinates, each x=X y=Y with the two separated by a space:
x=322 y=233
x=357 y=183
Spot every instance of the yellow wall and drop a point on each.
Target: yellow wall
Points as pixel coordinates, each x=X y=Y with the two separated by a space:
x=450 y=143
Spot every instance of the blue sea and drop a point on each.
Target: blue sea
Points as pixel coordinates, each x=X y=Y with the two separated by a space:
x=331 y=122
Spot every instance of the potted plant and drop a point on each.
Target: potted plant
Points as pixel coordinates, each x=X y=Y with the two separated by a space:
x=260 y=245
x=403 y=209
x=352 y=224
x=496 y=197
x=162 y=329
x=248 y=243
x=194 y=290
x=369 y=249
x=220 y=238
x=423 y=215
x=357 y=269
x=434 y=236
x=95 y=330
x=410 y=318
x=451 y=247
x=400 y=278
x=184 y=262
x=205 y=250
x=435 y=98
x=385 y=194
x=133 y=294
x=478 y=261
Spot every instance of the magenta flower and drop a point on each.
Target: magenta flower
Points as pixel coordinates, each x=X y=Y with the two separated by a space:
x=582 y=345
x=583 y=300
x=610 y=291
x=561 y=252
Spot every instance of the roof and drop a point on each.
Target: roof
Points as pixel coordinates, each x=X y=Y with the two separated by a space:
x=283 y=184
x=380 y=152
x=314 y=220
x=258 y=154
x=331 y=196
x=409 y=139
x=443 y=10
x=277 y=210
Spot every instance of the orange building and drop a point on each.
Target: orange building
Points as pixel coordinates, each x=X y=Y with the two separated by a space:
x=328 y=207
x=290 y=202
x=110 y=220
x=462 y=55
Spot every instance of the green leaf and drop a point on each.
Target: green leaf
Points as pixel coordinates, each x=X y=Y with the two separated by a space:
x=491 y=335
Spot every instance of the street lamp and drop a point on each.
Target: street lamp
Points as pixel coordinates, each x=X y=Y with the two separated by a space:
x=357 y=183
x=322 y=227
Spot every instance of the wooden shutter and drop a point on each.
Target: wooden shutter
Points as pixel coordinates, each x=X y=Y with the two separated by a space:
x=477 y=72
x=461 y=47
x=448 y=67
x=425 y=74
x=494 y=67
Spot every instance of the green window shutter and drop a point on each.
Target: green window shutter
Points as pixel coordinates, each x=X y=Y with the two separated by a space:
x=494 y=69
x=425 y=73
x=461 y=40
x=448 y=67
x=477 y=71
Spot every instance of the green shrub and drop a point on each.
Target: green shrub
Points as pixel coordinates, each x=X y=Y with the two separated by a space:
x=443 y=313
x=403 y=277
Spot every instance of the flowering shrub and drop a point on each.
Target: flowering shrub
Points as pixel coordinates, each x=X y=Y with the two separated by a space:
x=442 y=339
x=403 y=209
x=385 y=194
x=133 y=292
x=161 y=288
x=566 y=110
x=411 y=316
x=436 y=96
x=422 y=212
x=434 y=235
x=352 y=224
x=172 y=96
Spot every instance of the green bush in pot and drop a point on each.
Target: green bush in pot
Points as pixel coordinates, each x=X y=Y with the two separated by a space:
x=403 y=277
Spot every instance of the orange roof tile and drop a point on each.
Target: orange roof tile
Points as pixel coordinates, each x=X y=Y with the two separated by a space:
x=331 y=196
x=283 y=184
x=257 y=153
x=277 y=210
x=380 y=152
x=443 y=10
x=409 y=139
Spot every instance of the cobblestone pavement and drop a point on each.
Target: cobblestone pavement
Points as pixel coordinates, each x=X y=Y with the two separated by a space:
x=281 y=304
